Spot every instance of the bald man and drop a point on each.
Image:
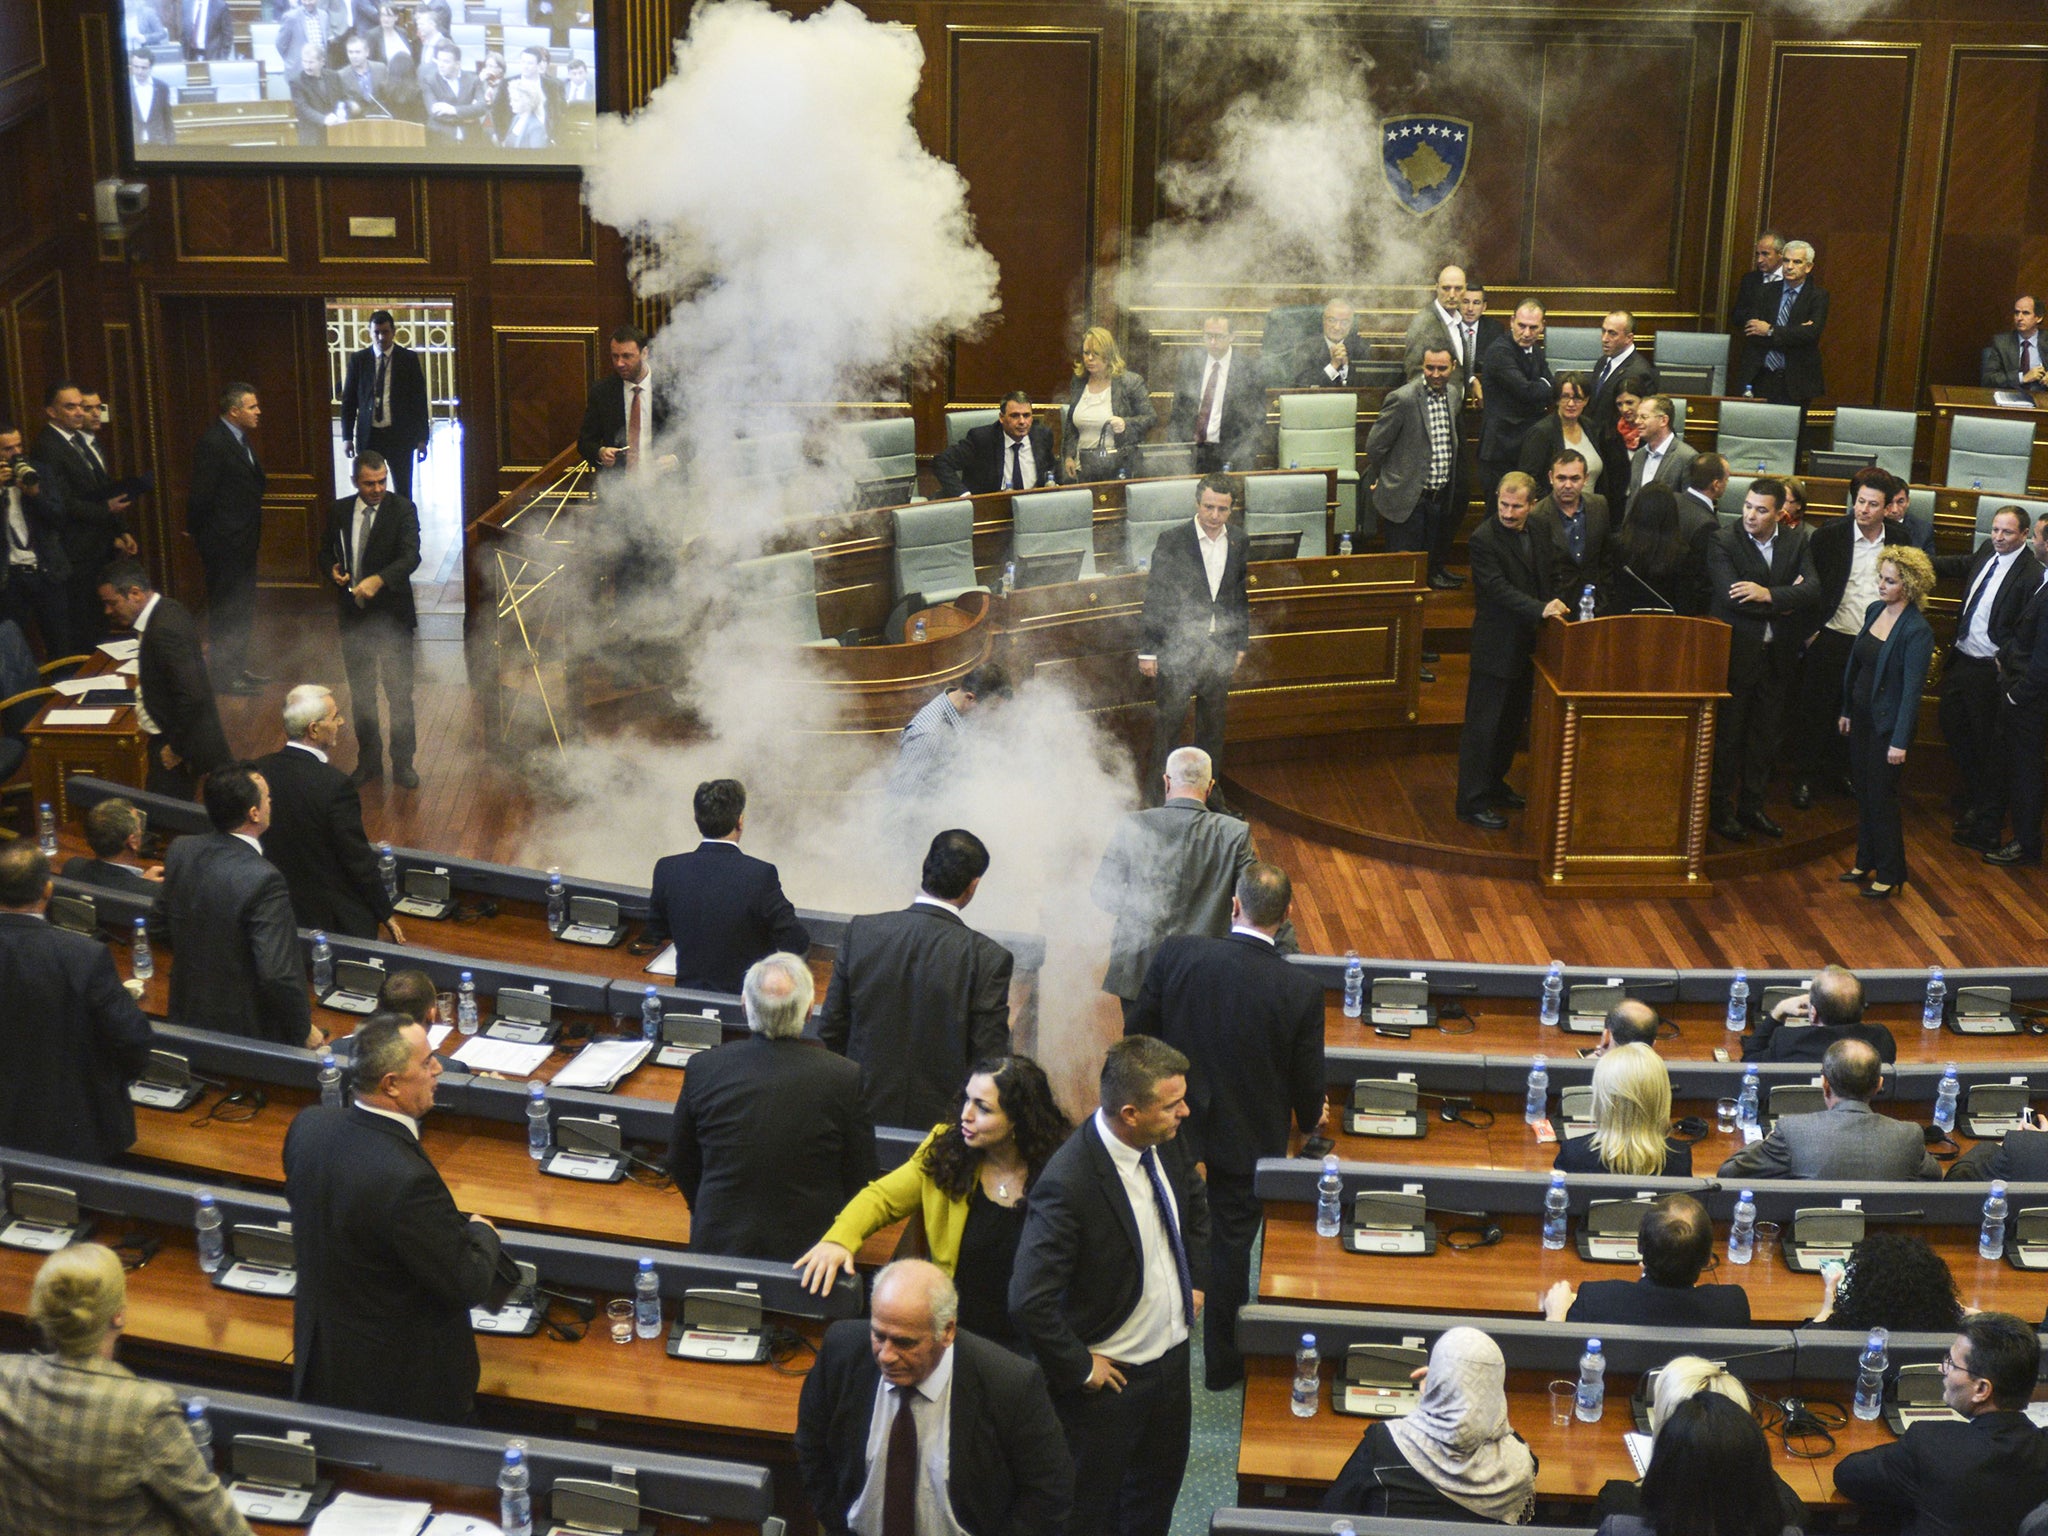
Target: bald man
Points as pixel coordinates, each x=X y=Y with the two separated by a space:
x=1848 y=1139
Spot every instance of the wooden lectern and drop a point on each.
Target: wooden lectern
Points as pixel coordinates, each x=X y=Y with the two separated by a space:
x=1621 y=750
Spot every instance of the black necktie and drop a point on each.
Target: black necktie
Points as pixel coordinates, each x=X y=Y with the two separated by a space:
x=1180 y=1252
x=1976 y=595
x=377 y=395
x=899 y=1470
x=1016 y=467
x=1600 y=373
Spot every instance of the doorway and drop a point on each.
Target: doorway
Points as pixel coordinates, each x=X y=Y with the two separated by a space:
x=427 y=326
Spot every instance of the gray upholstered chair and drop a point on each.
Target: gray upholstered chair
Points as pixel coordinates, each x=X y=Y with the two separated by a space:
x=1885 y=435
x=1150 y=508
x=1758 y=438
x=1989 y=453
x=934 y=553
x=960 y=423
x=1694 y=349
x=1287 y=504
x=783 y=589
x=1320 y=431
x=1055 y=522
x=1572 y=347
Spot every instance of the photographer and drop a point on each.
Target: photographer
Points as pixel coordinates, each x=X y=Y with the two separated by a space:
x=32 y=581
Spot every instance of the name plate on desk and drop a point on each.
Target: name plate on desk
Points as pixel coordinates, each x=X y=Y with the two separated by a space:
x=519 y=1321
x=518 y=1032
x=257 y=1280
x=40 y=1236
x=171 y=1096
x=275 y=1503
x=713 y=1344
x=591 y=1167
x=1420 y=1241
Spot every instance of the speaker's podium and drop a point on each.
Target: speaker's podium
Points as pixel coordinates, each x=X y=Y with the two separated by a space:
x=1621 y=750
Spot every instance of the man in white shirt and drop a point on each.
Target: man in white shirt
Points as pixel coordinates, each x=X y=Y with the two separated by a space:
x=1441 y=323
x=33 y=589
x=1663 y=457
x=1845 y=557
x=1997 y=580
x=150 y=99
x=1196 y=624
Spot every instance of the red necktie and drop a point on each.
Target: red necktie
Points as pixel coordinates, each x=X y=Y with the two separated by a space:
x=1208 y=403
x=633 y=425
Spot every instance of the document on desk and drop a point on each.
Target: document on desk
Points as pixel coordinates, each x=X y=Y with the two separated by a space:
x=2038 y=1412
x=481 y=1054
x=461 y=1525
x=123 y=650
x=354 y=1514
x=1638 y=1451
x=436 y=1033
x=80 y=717
x=663 y=964
x=600 y=1064
x=72 y=687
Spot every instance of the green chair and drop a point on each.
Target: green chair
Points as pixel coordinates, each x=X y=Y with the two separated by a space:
x=1320 y=431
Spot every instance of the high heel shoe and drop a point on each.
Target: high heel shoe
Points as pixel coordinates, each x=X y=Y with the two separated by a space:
x=1853 y=876
x=1881 y=892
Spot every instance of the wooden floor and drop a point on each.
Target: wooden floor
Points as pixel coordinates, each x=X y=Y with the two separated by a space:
x=1955 y=911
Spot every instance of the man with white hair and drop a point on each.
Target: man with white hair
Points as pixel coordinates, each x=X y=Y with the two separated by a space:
x=316 y=836
x=907 y=1424
x=771 y=1136
x=1171 y=869
x=1781 y=344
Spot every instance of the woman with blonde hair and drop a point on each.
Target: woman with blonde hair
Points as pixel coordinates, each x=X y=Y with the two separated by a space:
x=85 y=1445
x=1679 y=1382
x=1631 y=1120
x=1108 y=411
x=1881 y=688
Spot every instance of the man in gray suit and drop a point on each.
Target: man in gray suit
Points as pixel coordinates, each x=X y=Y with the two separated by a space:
x=1441 y=324
x=1411 y=455
x=1847 y=1140
x=1663 y=456
x=1169 y=870
x=2013 y=359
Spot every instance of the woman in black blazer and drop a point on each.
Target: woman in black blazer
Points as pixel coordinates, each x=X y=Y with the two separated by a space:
x=1656 y=569
x=1565 y=427
x=1631 y=1114
x=1108 y=412
x=1881 y=690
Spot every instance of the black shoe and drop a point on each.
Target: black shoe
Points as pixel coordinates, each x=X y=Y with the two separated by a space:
x=1426 y=675
x=1507 y=797
x=366 y=773
x=2012 y=853
x=1444 y=581
x=1430 y=658
x=1452 y=577
x=1854 y=876
x=1972 y=837
x=405 y=778
x=1802 y=796
x=1485 y=820
x=1878 y=892
x=1730 y=828
x=1758 y=821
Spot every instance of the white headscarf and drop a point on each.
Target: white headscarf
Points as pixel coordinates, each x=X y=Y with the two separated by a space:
x=1458 y=1436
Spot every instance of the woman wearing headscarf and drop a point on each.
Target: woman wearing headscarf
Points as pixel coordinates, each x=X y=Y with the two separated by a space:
x=1454 y=1457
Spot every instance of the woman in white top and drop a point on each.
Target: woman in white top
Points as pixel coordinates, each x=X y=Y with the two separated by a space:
x=1563 y=428
x=1108 y=412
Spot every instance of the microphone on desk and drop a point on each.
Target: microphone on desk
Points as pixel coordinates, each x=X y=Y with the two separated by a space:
x=567 y=1128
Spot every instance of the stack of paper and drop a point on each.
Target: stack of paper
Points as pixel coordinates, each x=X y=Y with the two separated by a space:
x=663 y=964
x=482 y=1054
x=600 y=1064
x=123 y=650
x=354 y=1514
x=80 y=717
x=72 y=687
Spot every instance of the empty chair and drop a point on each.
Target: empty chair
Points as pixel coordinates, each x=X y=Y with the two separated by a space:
x=470 y=37
x=1056 y=522
x=1886 y=436
x=1989 y=453
x=1572 y=346
x=960 y=423
x=1730 y=504
x=275 y=86
x=233 y=72
x=887 y=469
x=770 y=455
x=1157 y=459
x=934 y=554
x=1320 y=431
x=1150 y=508
x=174 y=53
x=1692 y=349
x=170 y=75
x=262 y=38
x=782 y=591
x=1289 y=329
x=518 y=37
x=1759 y=438
x=583 y=40
x=1287 y=504
x=249 y=92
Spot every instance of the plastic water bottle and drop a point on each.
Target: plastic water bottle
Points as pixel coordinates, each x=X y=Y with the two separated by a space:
x=201 y=1428
x=1344 y=542
x=650 y=1015
x=46 y=830
x=558 y=903
x=1869 y=1400
x=1592 y=1384
x=1586 y=601
x=1308 y=1376
x=515 y=1493
x=206 y=1225
x=1742 y=1233
x=387 y=870
x=330 y=1081
x=539 y=1136
x=1937 y=999
x=1354 y=985
x=917 y=629
x=141 y=963
x=1329 y=1199
x=465 y=1005
x=1977 y=484
x=1746 y=1110
x=1556 y=1207
x=1760 y=469
x=1537 y=1105
x=1553 y=996
x=646 y=1301
x=323 y=964
x=1945 y=1100
x=1738 y=1002
x=1991 y=1236
x=1009 y=577
x=1343 y=1528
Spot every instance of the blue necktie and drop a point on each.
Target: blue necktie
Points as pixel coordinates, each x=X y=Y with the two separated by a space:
x=1774 y=359
x=1180 y=1252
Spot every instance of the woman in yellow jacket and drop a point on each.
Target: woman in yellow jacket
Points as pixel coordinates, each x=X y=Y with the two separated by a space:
x=968 y=1180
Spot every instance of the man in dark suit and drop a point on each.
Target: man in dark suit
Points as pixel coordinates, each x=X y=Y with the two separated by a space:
x=149 y=102
x=388 y=1267
x=455 y=103
x=1012 y=453
x=1997 y=580
x=316 y=837
x=209 y=29
x=95 y=513
x=1781 y=344
x=2023 y=733
x=1217 y=402
x=1108 y=1282
x=721 y=908
x=770 y=1136
x=364 y=82
x=1981 y=1477
x=917 y=996
x=2012 y=359
x=1481 y=332
x=1762 y=584
x=1802 y=1027
x=1514 y=587
x=1575 y=522
x=318 y=97
x=1846 y=553
x=373 y=546
x=384 y=401
x=1756 y=296
x=1411 y=458
x=1847 y=1140
x=2020 y=1157
x=224 y=515
x=1619 y=363
x=174 y=699
x=1196 y=624
x=35 y=570
x=1251 y=1027
x=1699 y=503
x=1676 y=1241
x=73 y=1039
x=1331 y=359
x=969 y=1440
x=1517 y=391
x=113 y=830
x=625 y=414
x=237 y=967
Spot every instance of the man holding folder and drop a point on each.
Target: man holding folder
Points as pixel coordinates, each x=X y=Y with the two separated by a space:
x=373 y=547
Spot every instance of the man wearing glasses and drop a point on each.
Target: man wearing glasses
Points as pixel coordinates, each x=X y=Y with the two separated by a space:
x=1982 y=1476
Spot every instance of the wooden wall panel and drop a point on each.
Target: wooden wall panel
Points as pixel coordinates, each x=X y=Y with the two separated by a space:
x=228 y=218
x=541 y=378
x=1835 y=175
x=539 y=223
x=401 y=199
x=1023 y=132
x=1992 y=240
x=28 y=202
x=40 y=326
